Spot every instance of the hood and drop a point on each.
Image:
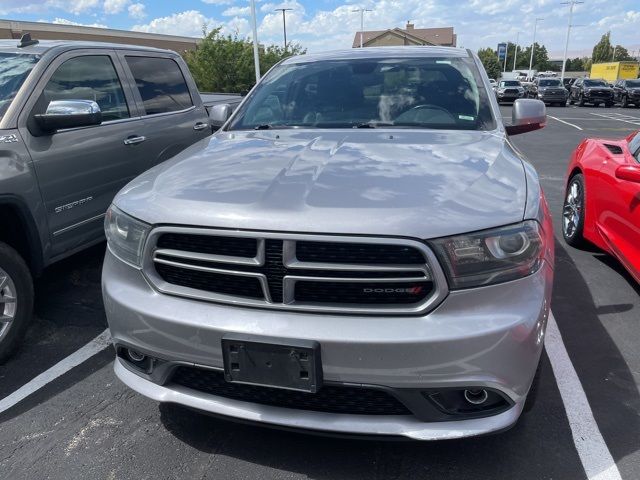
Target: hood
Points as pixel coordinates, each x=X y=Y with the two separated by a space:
x=421 y=184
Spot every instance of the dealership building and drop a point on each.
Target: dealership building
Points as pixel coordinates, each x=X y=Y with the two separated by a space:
x=52 y=31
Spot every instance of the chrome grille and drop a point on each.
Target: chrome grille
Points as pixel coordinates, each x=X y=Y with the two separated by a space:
x=295 y=272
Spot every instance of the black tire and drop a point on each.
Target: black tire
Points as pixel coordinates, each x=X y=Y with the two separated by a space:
x=532 y=396
x=573 y=212
x=624 y=103
x=580 y=101
x=571 y=102
x=15 y=268
x=608 y=105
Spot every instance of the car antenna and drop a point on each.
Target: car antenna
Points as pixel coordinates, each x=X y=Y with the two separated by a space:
x=26 y=41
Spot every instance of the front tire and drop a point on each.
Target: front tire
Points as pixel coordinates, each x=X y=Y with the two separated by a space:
x=625 y=102
x=573 y=211
x=581 y=101
x=16 y=299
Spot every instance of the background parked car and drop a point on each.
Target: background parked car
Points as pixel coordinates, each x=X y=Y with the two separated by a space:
x=550 y=90
x=590 y=90
x=78 y=120
x=509 y=91
x=627 y=92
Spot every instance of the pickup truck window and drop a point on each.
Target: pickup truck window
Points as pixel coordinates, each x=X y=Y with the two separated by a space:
x=160 y=83
x=595 y=83
x=549 y=83
x=632 y=83
x=89 y=77
x=444 y=93
x=14 y=69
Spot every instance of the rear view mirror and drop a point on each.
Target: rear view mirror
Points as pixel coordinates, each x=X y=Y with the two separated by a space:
x=630 y=173
x=69 y=114
x=527 y=115
x=219 y=114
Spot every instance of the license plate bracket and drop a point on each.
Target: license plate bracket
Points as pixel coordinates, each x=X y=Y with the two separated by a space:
x=272 y=362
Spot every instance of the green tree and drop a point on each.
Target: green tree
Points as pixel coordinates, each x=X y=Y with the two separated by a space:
x=603 y=51
x=511 y=49
x=621 y=54
x=489 y=60
x=225 y=63
x=540 y=58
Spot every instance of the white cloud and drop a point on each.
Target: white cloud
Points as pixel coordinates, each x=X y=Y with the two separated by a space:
x=189 y=24
x=76 y=6
x=137 y=11
x=114 y=6
x=64 y=21
x=237 y=12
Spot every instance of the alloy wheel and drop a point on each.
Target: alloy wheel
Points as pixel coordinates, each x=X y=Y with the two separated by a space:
x=8 y=303
x=572 y=209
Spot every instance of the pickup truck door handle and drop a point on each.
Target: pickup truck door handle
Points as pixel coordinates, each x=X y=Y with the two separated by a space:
x=200 y=126
x=133 y=139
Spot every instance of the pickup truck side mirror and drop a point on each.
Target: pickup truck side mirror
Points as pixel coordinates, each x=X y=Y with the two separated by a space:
x=69 y=114
x=630 y=173
x=219 y=114
x=527 y=115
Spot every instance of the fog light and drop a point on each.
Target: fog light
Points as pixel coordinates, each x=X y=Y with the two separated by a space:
x=476 y=397
x=135 y=356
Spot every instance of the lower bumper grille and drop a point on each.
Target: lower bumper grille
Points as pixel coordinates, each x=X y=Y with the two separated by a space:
x=330 y=398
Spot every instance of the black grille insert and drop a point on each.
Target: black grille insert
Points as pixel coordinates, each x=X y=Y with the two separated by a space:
x=330 y=398
x=358 y=253
x=223 y=283
x=211 y=244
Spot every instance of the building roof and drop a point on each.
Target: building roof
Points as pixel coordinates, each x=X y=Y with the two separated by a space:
x=432 y=36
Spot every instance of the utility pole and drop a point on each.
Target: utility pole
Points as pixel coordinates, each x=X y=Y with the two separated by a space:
x=571 y=4
x=361 y=10
x=284 y=24
x=533 y=46
x=515 y=53
x=614 y=54
x=256 y=53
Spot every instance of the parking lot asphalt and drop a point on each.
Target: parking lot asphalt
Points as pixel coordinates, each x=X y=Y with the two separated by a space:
x=86 y=424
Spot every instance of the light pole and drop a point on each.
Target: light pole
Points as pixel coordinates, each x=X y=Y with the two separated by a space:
x=566 y=43
x=533 y=46
x=284 y=24
x=361 y=10
x=256 y=54
x=515 y=53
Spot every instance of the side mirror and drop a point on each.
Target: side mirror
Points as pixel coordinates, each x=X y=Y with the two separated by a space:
x=527 y=115
x=219 y=114
x=630 y=173
x=69 y=114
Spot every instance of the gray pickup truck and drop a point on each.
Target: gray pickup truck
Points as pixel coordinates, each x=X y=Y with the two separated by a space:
x=78 y=120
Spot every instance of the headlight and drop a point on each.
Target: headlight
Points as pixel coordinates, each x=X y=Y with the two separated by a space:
x=125 y=235
x=491 y=256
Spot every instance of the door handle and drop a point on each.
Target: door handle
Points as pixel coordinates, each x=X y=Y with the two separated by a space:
x=200 y=126
x=133 y=139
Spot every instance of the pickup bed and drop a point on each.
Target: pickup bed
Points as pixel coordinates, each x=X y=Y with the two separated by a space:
x=78 y=120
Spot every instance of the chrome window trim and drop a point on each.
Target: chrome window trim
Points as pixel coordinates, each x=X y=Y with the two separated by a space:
x=431 y=271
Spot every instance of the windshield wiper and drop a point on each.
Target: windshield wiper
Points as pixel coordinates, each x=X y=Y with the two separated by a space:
x=264 y=126
x=373 y=124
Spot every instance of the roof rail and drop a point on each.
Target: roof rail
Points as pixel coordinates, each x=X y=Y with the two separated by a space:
x=26 y=41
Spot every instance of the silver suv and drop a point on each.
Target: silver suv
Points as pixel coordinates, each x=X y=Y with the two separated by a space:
x=360 y=249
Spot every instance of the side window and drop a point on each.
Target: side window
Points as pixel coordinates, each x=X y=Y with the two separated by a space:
x=160 y=83
x=634 y=146
x=91 y=77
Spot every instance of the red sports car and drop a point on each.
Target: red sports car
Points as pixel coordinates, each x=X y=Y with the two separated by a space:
x=602 y=199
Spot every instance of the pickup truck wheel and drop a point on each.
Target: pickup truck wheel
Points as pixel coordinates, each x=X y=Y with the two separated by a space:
x=16 y=299
x=581 y=101
x=625 y=102
x=571 y=102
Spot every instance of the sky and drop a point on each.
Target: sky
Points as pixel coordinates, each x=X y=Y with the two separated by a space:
x=331 y=24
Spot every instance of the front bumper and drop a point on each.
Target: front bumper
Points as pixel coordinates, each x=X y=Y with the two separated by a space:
x=490 y=337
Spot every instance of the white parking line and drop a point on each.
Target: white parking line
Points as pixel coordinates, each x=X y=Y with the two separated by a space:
x=567 y=123
x=96 y=345
x=592 y=449
x=619 y=117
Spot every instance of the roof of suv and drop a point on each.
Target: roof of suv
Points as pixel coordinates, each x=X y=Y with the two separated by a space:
x=381 y=52
x=44 y=46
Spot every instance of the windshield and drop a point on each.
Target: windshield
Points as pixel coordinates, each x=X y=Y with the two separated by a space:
x=633 y=83
x=595 y=83
x=442 y=93
x=549 y=83
x=14 y=68
x=510 y=83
